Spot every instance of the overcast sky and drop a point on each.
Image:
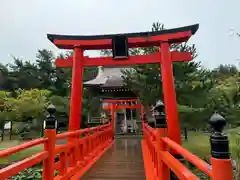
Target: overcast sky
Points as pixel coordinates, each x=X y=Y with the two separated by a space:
x=25 y=23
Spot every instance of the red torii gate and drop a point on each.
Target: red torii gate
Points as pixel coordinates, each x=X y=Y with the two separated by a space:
x=120 y=43
x=114 y=105
x=79 y=154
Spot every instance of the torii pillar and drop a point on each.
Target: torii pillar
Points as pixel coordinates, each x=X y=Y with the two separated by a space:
x=76 y=90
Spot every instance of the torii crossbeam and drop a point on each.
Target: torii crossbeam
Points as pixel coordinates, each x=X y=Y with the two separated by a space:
x=120 y=43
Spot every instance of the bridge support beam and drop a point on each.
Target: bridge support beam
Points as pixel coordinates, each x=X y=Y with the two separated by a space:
x=76 y=90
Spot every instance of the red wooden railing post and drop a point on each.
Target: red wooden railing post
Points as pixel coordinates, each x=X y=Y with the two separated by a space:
x=161 y=131
x=63 y=163
x=48 y=164
x=49 y=146
x=113 y=118
x=74 y=151
x=220 y=160
x=163 y=170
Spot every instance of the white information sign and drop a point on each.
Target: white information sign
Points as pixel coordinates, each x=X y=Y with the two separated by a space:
x=7 y=125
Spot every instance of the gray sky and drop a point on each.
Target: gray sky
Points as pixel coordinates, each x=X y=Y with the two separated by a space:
x=24 y=24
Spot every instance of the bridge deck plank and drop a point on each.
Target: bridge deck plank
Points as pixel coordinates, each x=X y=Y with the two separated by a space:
x=123 y=161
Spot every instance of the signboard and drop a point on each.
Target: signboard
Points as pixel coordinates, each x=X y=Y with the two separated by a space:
x=7 y=125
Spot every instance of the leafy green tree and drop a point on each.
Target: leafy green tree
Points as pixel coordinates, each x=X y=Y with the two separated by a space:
x=22 y=74
x=4 y=77
x=62 y=104
x=30 y=104
x=46 y=68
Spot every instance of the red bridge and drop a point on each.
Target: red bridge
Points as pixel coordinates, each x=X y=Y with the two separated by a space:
x=97 y=152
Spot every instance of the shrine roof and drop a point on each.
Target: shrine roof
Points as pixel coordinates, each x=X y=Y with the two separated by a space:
x=107 y=77
x=191 y=28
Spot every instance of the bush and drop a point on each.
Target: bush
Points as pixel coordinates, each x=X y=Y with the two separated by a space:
x=27 y=104
x=28 y=174
x=28 y=108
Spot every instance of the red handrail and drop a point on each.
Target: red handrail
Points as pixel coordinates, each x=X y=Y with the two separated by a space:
x=179 y=169
x=15 y=149
x=82 y=131
x=75 y=157
x=158 y=160
x=23 y=164
x=199 y=163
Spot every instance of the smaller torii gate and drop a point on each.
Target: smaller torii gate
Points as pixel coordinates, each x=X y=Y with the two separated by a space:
x=121 y=104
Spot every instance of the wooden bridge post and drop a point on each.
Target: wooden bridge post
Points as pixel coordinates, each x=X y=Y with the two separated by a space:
x=50 y=132
x=161 y=131
x=143 y=119
x=220 y=160
x=113 y=118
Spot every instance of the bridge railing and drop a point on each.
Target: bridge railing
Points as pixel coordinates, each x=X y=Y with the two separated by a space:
x=71 y=159
x=161 y=164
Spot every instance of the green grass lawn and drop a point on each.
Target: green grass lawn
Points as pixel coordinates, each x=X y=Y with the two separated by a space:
x=198 y=143
x=20 y=155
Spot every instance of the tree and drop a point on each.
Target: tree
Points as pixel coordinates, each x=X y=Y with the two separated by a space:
x=225 y=70
x=46 y=69
x=4 y=77
x=225 y=97
x=22 y=75
x=187 y=74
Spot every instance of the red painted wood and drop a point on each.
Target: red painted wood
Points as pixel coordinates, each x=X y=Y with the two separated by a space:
x=76 y=91
x=89 y=149
x=78 y=132
x=138 y=106
x=48 y=164
x=80 y=173
x=222 y=169
x=148 y=164
x=157 y=158
x=140 y=59
x=179 y=169
x=132 y=42
x=119 y=100
x=113 y=117
x=169 y=94
x=188 y=156
x=15 y=149
x=17 y=167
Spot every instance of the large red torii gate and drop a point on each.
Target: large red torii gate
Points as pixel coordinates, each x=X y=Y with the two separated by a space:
x=120 y=43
